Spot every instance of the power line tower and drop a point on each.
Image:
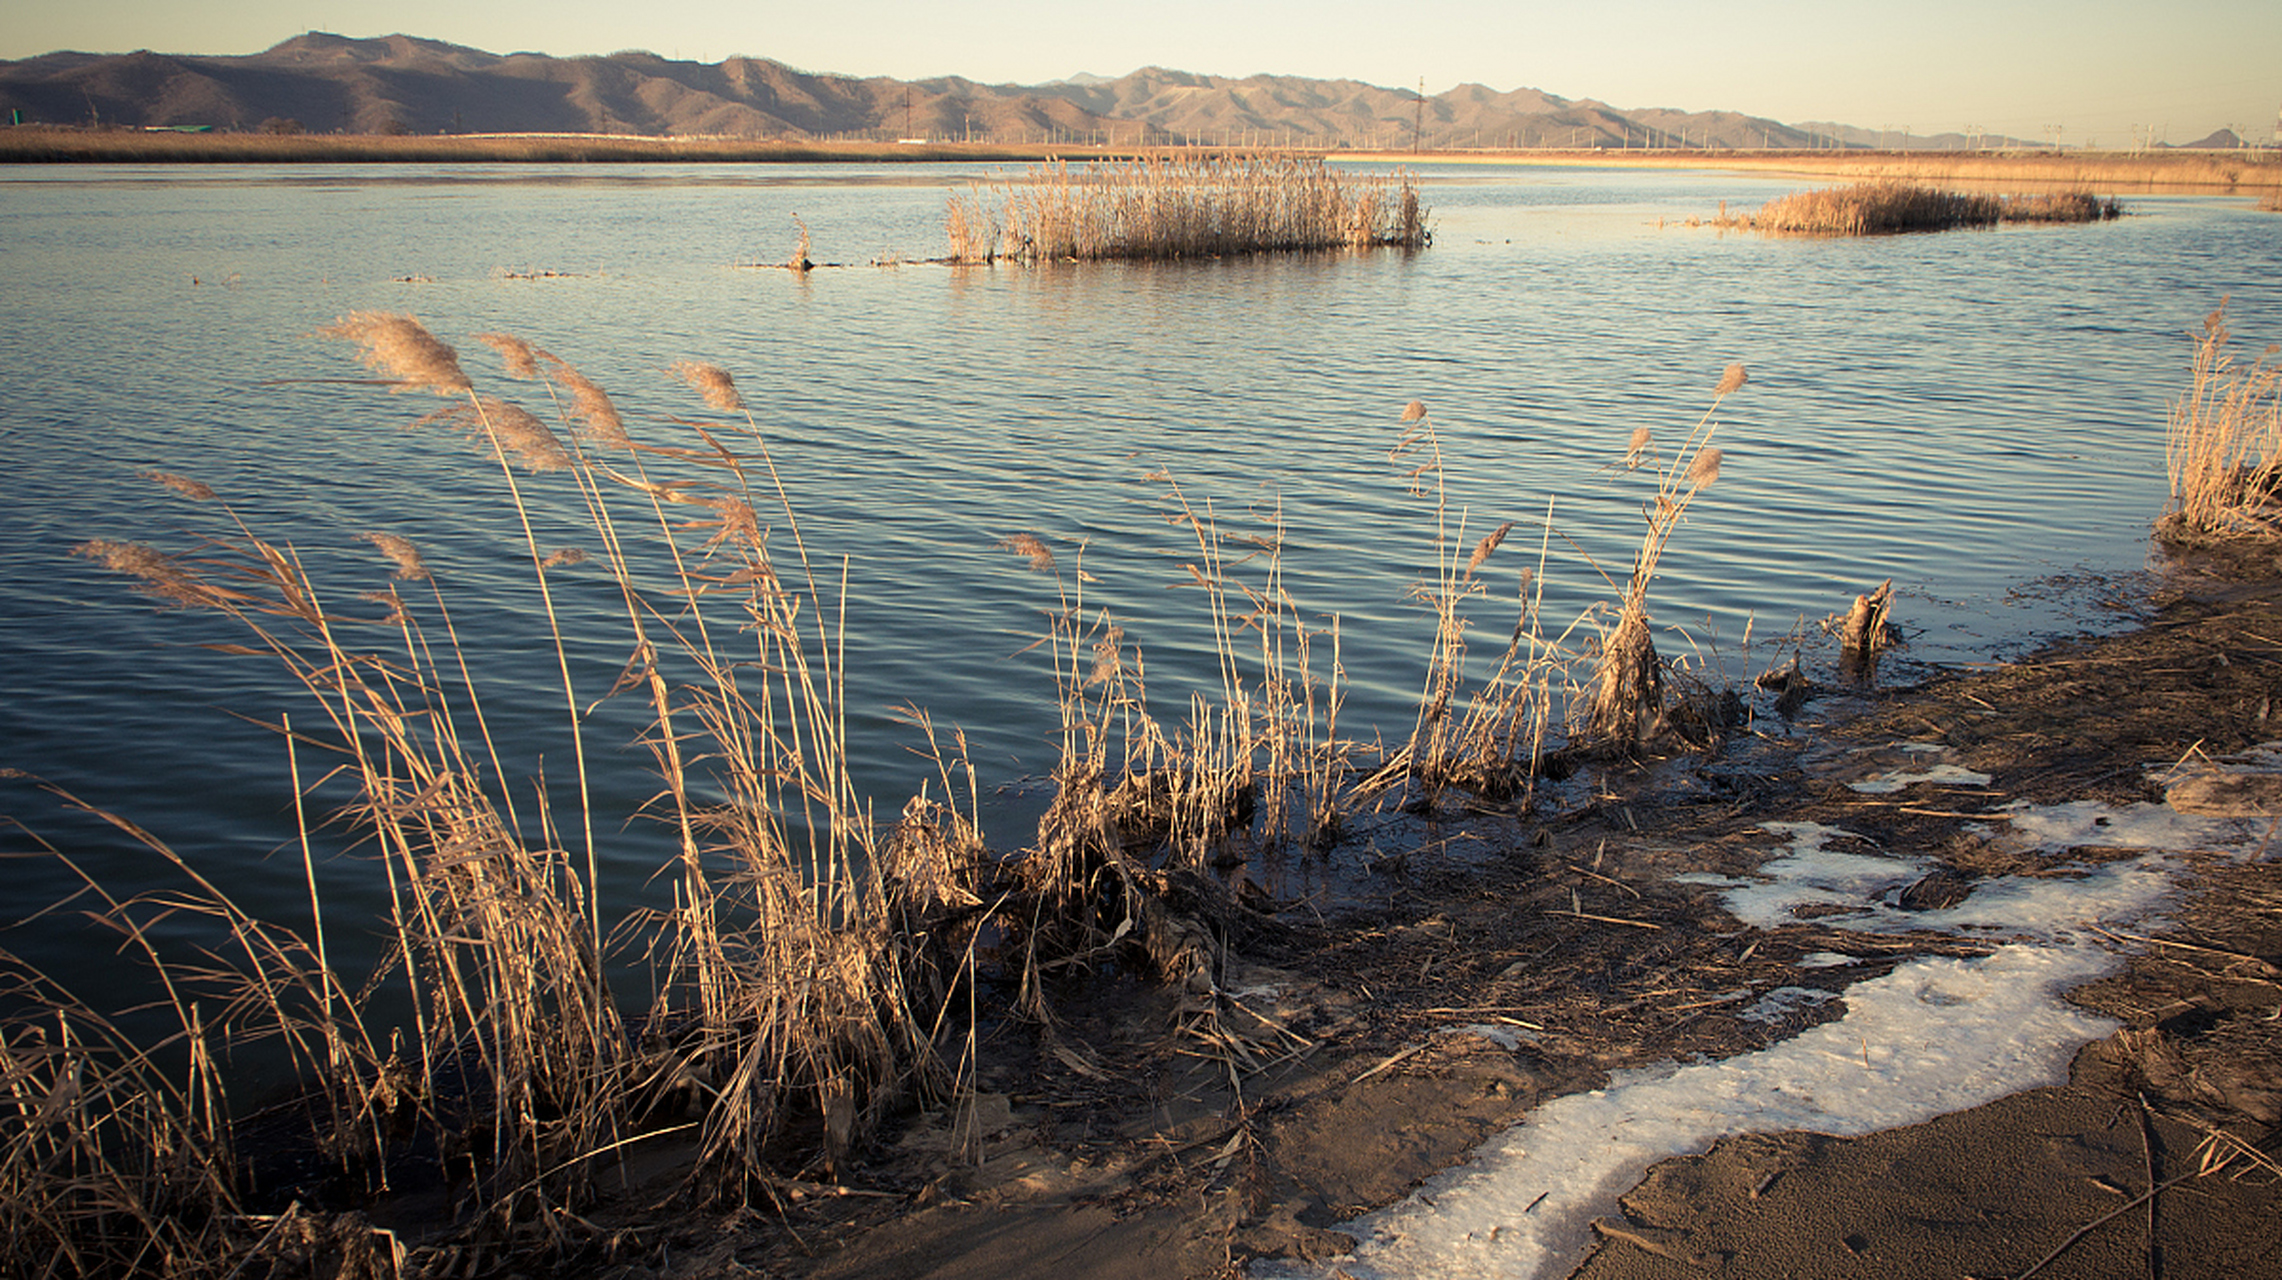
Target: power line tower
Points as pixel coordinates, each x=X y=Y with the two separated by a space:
x=1418 y=126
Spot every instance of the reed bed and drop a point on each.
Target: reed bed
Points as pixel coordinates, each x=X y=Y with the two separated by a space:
x=1890 y=207
x=1176 y=206
x=2223 y=445
x=2061 y=206
x=815 y=969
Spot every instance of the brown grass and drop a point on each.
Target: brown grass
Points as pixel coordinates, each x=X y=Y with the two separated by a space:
x=2061 y=206
x=1888 y=207
x=2224 y=444
x=1178 y=206
x=1626 y=706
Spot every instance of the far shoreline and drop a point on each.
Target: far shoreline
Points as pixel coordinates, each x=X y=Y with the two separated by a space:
x=2248 y=171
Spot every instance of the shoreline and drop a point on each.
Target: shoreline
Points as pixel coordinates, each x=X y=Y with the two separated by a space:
x=1567 y=930
x=2180 y=171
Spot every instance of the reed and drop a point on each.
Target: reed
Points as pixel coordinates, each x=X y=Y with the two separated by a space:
x=2061 y=206
x=1180 y=206
x=2223 y=444
x=799 y=980
x=814 y=969
x=1626 y=706
x=1487 y=738
x=1887 y=207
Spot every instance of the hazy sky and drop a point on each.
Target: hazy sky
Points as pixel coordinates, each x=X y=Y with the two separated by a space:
x=2098 y=70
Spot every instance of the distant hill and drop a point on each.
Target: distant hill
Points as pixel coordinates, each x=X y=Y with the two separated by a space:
x=402 y=84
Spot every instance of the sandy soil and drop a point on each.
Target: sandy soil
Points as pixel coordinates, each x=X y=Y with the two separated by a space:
x=1167 y=1133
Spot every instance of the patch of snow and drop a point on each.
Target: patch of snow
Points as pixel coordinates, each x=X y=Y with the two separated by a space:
x=1896 y=779
x=1933 y=1036
x=1826 y=960
x=1812 y=875
x=1780 y=1003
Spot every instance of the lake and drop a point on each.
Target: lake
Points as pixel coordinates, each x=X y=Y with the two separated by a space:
x=1976 y=415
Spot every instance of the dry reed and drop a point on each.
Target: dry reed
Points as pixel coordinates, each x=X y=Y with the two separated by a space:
x=1888 y=207
x=1627 y=704
x=2223 y=446
x=801 y=979
x=1183 y=207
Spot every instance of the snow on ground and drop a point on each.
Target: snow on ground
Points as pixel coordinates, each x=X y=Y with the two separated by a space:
x=1933 y=1036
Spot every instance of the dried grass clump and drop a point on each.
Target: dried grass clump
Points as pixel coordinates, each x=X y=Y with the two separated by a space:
x=1872 y=208
x=2062 y=206
x=2223 y=446
x=800 y=983
x=1183 y=207
x=1891 y=206
x=1626 y=706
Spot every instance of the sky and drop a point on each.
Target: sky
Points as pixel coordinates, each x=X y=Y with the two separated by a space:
x=2085 y=72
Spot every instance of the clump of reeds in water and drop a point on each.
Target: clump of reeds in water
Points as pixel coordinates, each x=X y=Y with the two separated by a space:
x=2223 y=447
x=799 y=983
x=1890 y=207
x=1184 y=207
x=1626 y=705
x=2061 y=206
x=1486 y=736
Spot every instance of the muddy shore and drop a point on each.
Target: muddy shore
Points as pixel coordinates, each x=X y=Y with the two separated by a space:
x=1141 y=1139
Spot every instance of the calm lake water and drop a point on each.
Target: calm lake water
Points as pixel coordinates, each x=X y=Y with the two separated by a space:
x=1978 y=416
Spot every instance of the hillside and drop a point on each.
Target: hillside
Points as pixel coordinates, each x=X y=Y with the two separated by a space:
x=326 y=83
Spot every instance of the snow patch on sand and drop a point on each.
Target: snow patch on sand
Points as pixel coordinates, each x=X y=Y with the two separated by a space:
x=1933 y=1036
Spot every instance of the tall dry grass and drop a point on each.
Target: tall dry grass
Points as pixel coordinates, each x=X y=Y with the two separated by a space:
x=1627 y=703
x=814 y=968
x=801 y=978
x=1181 y=206
x=2223 y=446
x=1888 y=207
x=1486 y=736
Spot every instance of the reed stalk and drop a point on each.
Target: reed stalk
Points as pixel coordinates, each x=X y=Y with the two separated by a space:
x=1626 y=706
x=2223 y=444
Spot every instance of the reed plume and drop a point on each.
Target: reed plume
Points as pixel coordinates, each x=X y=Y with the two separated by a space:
x=712 y=382
x=520 y=357
x=398 y=346
x=400 y=552
x=1626 y=705
x=1032 y=548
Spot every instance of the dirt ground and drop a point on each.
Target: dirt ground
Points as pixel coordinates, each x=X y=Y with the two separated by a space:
x=1383 y=1010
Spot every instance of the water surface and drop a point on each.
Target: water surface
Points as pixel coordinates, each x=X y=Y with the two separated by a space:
x=1975 y=415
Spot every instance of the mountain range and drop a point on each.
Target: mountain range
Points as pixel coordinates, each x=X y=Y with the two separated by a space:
x=403 y=84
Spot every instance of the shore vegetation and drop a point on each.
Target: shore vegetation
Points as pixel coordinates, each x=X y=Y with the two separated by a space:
x=818 y=969
x=2223 y=445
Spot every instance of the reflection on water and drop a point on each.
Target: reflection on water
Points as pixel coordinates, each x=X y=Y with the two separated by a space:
x=1960 y=413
